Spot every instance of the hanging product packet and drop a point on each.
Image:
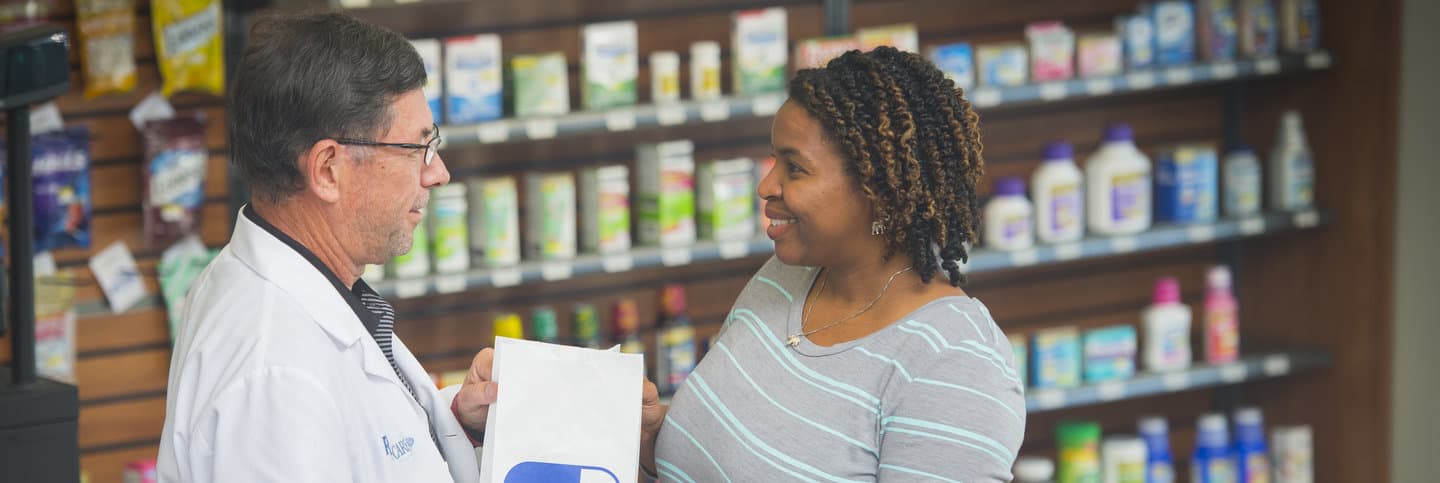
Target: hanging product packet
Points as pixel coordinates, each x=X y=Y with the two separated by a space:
x=54 y=321
x=175 y=161
x=61 y=172
x=107 y=46
x=188 y=45
x=179 y=265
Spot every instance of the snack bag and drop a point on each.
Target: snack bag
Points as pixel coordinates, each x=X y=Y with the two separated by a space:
x=189 y=45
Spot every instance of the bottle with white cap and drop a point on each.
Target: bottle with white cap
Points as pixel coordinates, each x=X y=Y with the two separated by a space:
x=1122 y=460
x=1251 y=454
x=1034 y=469
x=1222 y=326
x=1158 y=465
x=1213 y=462
x=1292 y=170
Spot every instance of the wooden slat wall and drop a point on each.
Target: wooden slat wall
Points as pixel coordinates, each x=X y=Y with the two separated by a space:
x=1326 y=288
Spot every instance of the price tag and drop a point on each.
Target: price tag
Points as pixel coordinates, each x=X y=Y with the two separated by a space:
x=1140 y=80
x=1068 y=251
x=1307 y=219
x=620 y=262
x=714 y=111
x=1179 y=76
x=766 y=105
x=1277 y=365
x=410 y=288
x=1176 y=381
x=1049 y=398
x=674 y=257
x=1024 y=258
x=493 y=132
x=552 y=271
x=1111 y=390
x=451 y=283
x=1224 y=70
x=1252 y=226
x=1318 y=60
x=1053 y=91
x=506 y=277
x=1233 y=373
x=1100 y=87
x=1123 y=244
x=354 y=3
x=1201 y=233
x=1267 y=66
x=670 y=115
x=620 y=120
x=986 y=97
x=730 y=250
x=540 y=128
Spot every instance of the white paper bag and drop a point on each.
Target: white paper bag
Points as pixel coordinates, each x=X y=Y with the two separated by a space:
x=563 y=414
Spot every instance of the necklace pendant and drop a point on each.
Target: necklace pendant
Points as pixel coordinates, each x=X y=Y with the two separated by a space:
x=794 y=340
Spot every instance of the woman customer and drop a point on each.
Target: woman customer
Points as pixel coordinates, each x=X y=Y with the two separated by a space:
x=854 y=355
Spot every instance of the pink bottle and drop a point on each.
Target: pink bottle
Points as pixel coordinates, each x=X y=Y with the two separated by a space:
x=1222 y=325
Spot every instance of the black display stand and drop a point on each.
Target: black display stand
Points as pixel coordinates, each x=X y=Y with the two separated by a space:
x=39 y=418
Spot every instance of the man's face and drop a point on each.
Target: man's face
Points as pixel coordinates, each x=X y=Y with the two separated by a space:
x=390 y=197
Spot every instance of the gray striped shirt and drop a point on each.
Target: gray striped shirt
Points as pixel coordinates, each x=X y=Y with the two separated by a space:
x=934 y=396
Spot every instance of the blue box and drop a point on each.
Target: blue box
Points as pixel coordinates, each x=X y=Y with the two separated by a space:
x=957 y=61
x=1187 y=185
x=1057 y=358
x=1174 y=32
x=1110 y=353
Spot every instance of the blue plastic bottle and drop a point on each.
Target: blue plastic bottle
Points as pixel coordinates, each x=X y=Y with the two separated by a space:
x=1158 y=465
x=1251 y=454
x=1213 y=462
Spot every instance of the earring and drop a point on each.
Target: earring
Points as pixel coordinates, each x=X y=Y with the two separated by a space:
x=876 y=229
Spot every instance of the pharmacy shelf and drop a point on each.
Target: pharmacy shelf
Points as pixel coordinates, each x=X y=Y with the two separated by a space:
x=747 y=107
x=1160 y=237
x=611 y=121
x=1256 y=367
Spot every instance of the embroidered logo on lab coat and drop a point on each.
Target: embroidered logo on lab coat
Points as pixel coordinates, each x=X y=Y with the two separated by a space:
x=399 y=447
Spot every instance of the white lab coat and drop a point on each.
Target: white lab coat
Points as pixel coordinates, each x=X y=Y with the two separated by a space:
x=274 y=378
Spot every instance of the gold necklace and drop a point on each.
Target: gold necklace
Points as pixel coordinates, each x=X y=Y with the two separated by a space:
x=795 y=338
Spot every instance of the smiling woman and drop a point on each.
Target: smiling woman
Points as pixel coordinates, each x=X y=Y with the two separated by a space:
x=844 y=359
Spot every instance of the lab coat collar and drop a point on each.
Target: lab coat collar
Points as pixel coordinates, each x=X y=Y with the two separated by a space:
x=280 y=264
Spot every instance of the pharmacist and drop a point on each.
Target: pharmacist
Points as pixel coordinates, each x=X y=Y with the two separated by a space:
x=285 y=366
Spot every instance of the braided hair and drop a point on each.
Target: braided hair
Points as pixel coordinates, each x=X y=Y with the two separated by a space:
x=909 y=137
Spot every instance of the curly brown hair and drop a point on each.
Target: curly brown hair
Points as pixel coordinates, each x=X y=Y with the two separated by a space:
x=909 y=136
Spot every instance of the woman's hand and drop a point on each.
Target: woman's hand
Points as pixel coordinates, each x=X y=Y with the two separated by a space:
x=652 y=416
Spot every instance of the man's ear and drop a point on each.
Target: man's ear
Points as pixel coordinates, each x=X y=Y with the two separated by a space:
x=324 y=167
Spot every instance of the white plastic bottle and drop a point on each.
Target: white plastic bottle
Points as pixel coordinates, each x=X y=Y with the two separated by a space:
x=1292 y=170
x=1058 y=190
x=1242 y=182
x=1122 y=460
x=1167 y=329
x=1118 y=195
x=1009 y=218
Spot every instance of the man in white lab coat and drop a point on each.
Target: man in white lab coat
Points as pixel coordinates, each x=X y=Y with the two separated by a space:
x=285 y=366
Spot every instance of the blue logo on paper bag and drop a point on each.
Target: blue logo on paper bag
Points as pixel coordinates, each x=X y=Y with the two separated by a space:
x=399 y=448
x=537 y=472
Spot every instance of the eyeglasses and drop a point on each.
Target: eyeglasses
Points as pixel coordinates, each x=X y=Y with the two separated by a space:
x=430 y=146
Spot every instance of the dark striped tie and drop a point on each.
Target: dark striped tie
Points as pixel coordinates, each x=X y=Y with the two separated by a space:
x=385 y=330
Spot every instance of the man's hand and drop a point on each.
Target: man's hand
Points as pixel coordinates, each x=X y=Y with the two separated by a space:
x=477 y=392
x=652 y=416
